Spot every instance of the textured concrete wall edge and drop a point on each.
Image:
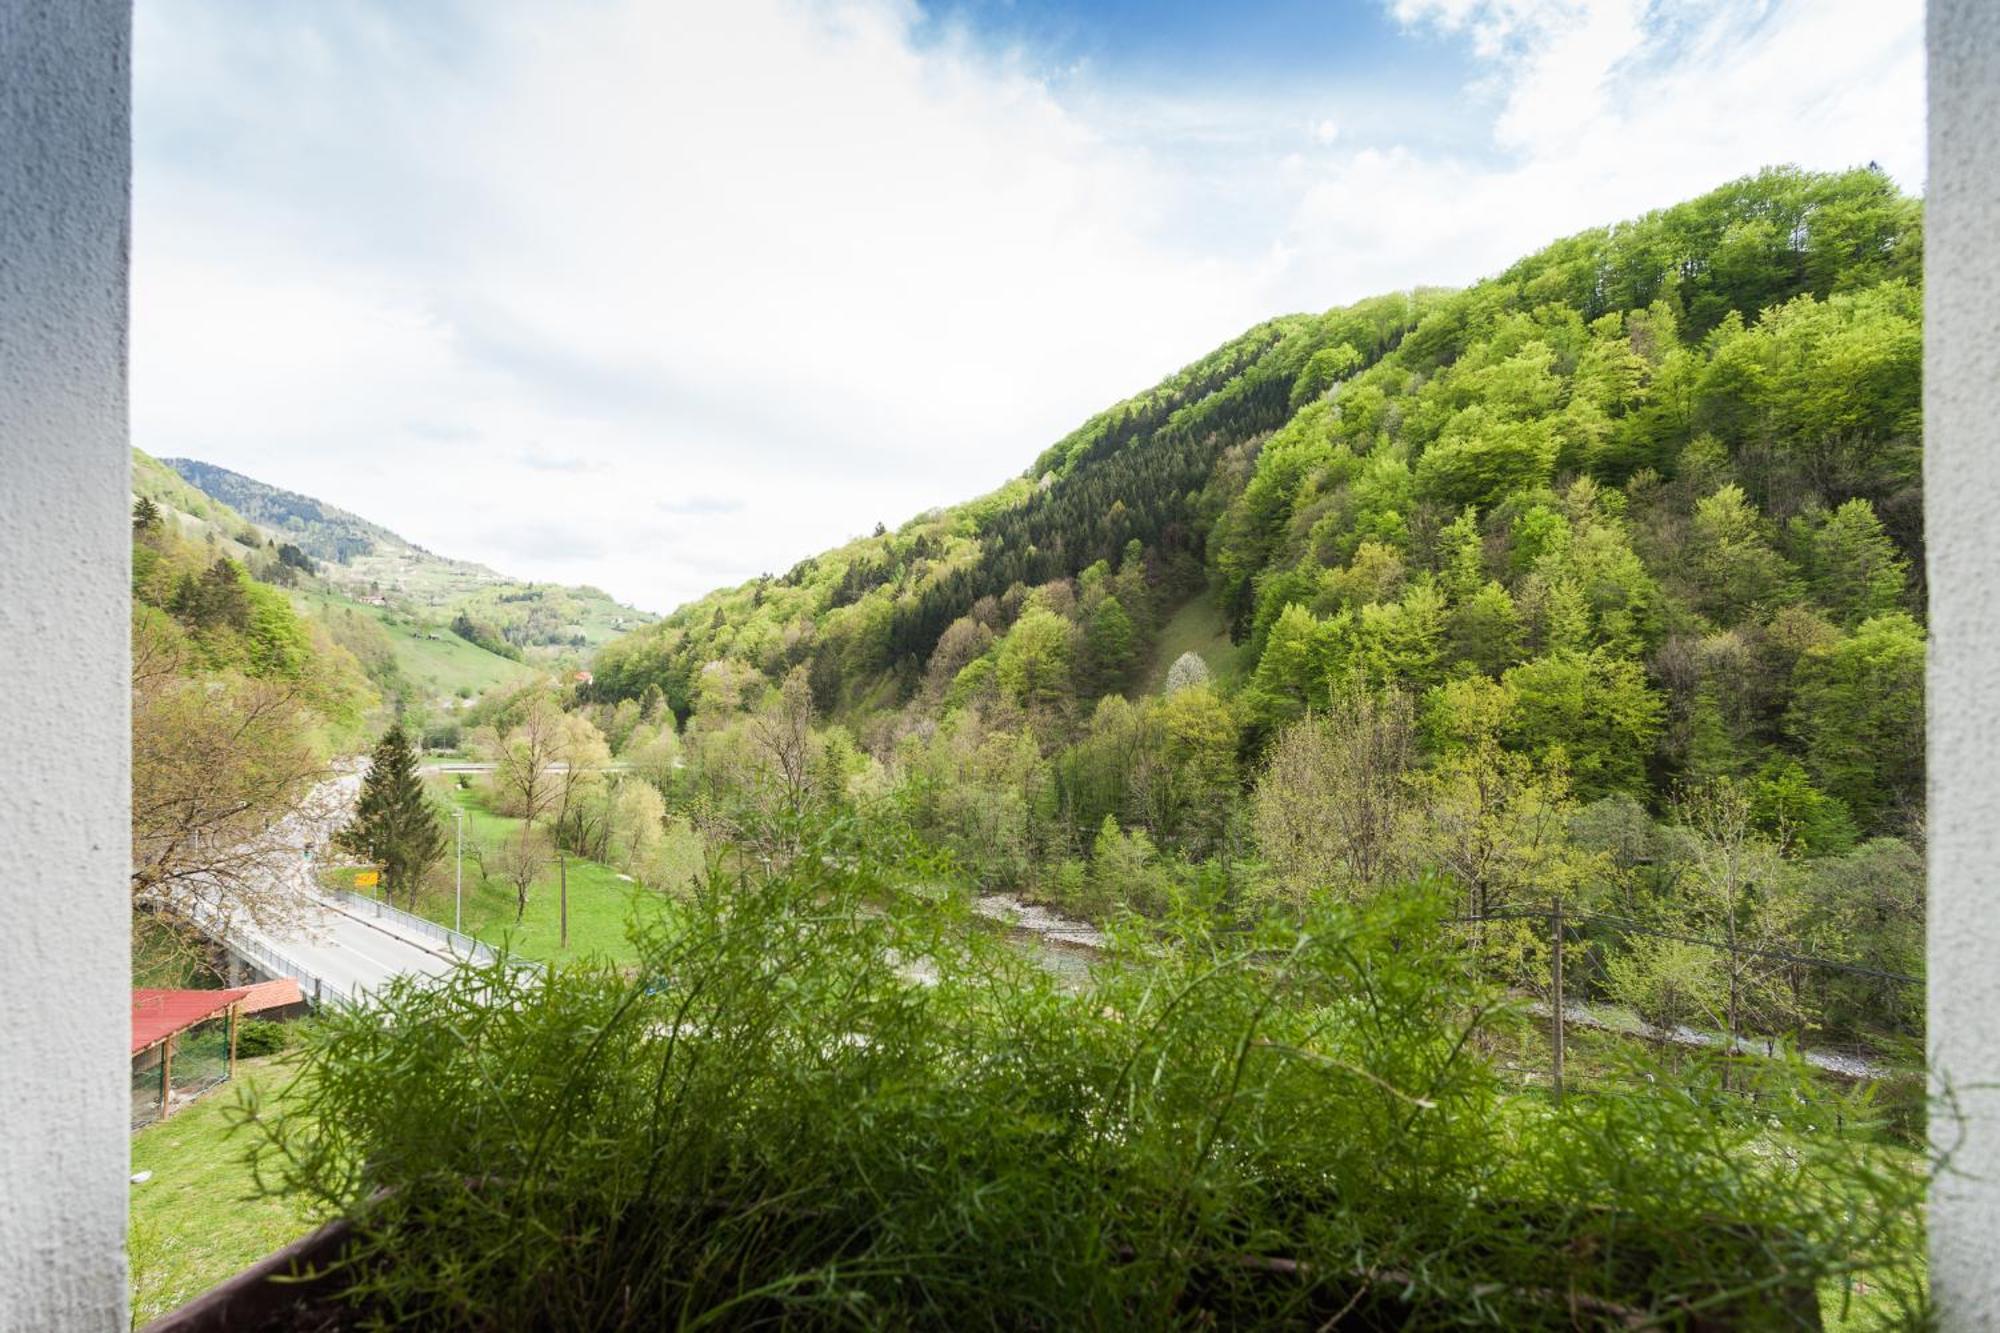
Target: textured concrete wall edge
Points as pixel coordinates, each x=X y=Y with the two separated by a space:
x=1962 y=498
x=65 y=124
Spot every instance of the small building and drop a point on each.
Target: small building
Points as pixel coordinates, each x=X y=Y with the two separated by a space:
x=278 y=999
x=183 y=1044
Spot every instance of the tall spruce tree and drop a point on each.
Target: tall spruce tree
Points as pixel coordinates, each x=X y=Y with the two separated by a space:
x=394 y=825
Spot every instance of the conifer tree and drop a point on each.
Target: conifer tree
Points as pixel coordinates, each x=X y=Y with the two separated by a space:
x=394 y=825
x=1110 y=646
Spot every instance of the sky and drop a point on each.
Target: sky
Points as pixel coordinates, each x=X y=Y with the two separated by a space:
x=659 y=295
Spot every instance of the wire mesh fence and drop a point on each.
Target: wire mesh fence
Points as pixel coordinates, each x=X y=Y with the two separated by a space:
x=174 y=1071
x=147 y=1090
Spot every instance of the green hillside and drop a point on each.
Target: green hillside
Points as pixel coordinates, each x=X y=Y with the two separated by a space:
x=411 y=659
x=430 y=630
x=193 y=514
x=320 y=530
x=1553 y=585
x=425 y=653
x=366 y=560
x=1643 y=449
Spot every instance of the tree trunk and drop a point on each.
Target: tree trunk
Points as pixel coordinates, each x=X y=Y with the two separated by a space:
x=1734 y=981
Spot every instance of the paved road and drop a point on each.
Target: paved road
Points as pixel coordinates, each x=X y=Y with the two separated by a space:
x=343 y=950
x=346 y=952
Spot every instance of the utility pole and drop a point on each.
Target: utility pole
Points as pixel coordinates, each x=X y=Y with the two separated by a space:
x=458 y=894
x=1556 y=972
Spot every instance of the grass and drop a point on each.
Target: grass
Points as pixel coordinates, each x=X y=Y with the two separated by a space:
x=1197 y=627
x=600 y=902
x=1598 y=1061
x=198 y=1220
x=444 y=665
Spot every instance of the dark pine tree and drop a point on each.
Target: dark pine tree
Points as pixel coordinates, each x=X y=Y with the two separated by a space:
x=394 y=825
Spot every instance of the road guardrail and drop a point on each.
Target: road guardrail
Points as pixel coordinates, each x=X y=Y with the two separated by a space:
x=461 y=944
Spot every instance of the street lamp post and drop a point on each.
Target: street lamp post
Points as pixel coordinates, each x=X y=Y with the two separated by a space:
x=458 y=895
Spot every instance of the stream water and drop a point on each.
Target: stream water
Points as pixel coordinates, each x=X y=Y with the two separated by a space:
x=1062 y=944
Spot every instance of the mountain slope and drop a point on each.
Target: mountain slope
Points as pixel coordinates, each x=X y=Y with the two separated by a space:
x=320 y=530
x=410 y=658
x=1649 y=499
x=370 y=562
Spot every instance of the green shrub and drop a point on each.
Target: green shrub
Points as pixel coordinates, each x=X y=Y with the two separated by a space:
x=772 y=1123
x=260 y=1036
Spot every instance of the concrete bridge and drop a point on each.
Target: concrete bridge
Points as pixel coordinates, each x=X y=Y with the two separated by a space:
x=342 y=948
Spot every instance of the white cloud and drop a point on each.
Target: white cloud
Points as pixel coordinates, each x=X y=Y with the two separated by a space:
x=753 y=250
x=1605 y=110
x=661 y=296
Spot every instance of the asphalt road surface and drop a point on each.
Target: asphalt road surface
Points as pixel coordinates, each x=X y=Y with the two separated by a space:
x=350 y=952
x=344 y=950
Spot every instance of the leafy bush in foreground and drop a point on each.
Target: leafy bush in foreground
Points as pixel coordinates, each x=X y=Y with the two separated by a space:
x=774 y=1123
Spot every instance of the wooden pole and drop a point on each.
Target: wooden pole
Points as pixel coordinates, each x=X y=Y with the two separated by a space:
x=1557 y=1036
x=233 y=1010
x=166 y=1074
x=562 y=860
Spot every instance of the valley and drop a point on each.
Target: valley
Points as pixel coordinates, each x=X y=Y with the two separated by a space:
x=1250 y=779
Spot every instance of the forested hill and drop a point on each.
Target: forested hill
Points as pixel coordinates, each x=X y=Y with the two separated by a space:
x=1642 y=509
x=501 y=614
x=320 y=530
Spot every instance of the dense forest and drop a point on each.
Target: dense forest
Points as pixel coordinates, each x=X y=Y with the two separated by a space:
x=1592 y=582
x=1599 y=578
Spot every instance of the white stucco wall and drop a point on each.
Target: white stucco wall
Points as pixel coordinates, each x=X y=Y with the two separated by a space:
x=65 y=1012
x=1962 y=516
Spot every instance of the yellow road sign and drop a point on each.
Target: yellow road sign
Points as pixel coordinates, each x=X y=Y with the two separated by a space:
x=367 y=879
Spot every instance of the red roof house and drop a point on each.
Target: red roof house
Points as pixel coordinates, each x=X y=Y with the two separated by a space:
x=261 y=996
x=183 y=1044
x=159 y=1014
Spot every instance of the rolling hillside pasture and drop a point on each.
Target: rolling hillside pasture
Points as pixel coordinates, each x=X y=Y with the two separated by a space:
x=428 y=654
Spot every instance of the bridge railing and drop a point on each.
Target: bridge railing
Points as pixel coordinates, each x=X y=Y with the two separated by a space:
x=311 y=985
x=461 y=944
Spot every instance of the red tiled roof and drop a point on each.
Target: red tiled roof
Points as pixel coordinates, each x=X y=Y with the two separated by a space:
x=157 y=1014
x=263 y=995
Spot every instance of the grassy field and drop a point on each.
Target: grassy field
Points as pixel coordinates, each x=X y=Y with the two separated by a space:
x=430 y=655
x=1198 y=627
x=196 y=1221
x=600 y=901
